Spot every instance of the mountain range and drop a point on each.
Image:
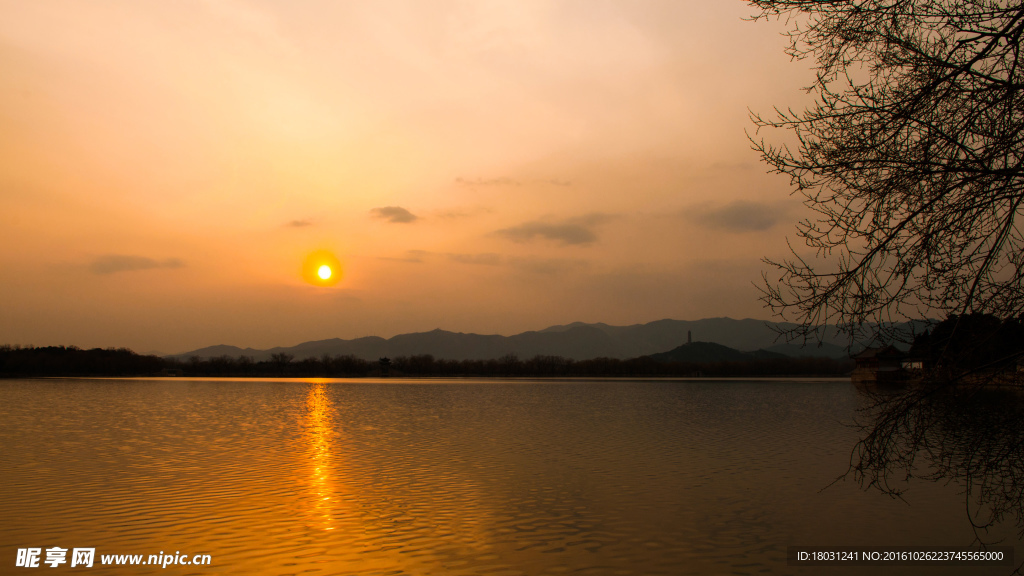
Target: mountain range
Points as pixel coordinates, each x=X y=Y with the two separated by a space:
x=577 y=341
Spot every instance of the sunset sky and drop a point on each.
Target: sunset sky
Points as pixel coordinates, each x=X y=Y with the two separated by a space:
x=168 y=167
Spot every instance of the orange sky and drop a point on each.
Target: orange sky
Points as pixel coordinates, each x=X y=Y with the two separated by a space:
x=476 y=166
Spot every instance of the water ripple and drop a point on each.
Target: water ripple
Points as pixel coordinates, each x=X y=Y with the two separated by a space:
x=476 y=478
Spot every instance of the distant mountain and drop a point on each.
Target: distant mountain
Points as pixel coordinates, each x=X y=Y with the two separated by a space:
x=578 y=341
x=711 y=352
x=820 y=350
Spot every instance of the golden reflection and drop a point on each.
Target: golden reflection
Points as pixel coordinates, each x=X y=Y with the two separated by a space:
x=320 y=433
x=393 y=523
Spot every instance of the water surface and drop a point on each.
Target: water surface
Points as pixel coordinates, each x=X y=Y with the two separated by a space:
x=490 y=477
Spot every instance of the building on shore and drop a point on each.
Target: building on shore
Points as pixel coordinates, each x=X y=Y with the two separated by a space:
x=883 y=365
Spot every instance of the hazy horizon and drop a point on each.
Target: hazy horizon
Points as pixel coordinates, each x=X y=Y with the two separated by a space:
x=488 y=167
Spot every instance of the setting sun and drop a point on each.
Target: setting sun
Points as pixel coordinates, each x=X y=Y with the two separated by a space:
x=321 y=268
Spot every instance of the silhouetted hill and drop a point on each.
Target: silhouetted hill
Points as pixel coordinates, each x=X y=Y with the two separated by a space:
x=576 y=341
x=222 y=350
x=822 y=350
x=707 y=352
x=368 y=347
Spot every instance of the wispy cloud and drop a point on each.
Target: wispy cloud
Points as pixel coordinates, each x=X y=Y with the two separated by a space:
x=557 y=182
x=732 y=166
x=299 y=223
x=547 y=266
x=564 y=233
x=411 y=256
x=470 y=212
x=394 y=214
x=478 y=182
x=572 y=231
x=505 y=181
x=483 y=259
x=739 y=216
x=113 y=263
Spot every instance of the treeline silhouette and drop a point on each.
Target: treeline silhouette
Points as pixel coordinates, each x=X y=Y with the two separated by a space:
x=73 y=361
x=28 y=361
x=967 y=342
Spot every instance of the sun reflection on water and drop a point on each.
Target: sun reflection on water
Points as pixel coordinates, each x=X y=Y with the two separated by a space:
x=320 y=433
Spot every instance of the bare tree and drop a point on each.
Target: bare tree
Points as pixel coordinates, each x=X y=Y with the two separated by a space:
x=911 y=158
x=281 y=360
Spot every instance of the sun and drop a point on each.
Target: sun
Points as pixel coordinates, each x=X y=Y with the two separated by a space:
x=321 y=268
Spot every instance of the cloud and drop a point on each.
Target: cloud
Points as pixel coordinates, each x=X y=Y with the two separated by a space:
x=394 y=214
x=411 y=256
x=572 y=231
x=739 y=216
x=558 y=182
x=299 y=223
x=484 y=259
x=549 y=266
x=732 y=166
x=113 y=263
x=504 y=181
x=487 y=182
x=564 y=233
x=463 y=212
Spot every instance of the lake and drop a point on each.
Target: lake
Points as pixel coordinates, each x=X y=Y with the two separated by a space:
x=489 y=477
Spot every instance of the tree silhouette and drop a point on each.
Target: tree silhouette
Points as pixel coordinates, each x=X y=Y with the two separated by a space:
x=911 y=157
x=281 y=360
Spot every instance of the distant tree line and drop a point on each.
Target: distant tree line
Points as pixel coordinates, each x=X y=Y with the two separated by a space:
x=73 y=361
x=17 y=361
